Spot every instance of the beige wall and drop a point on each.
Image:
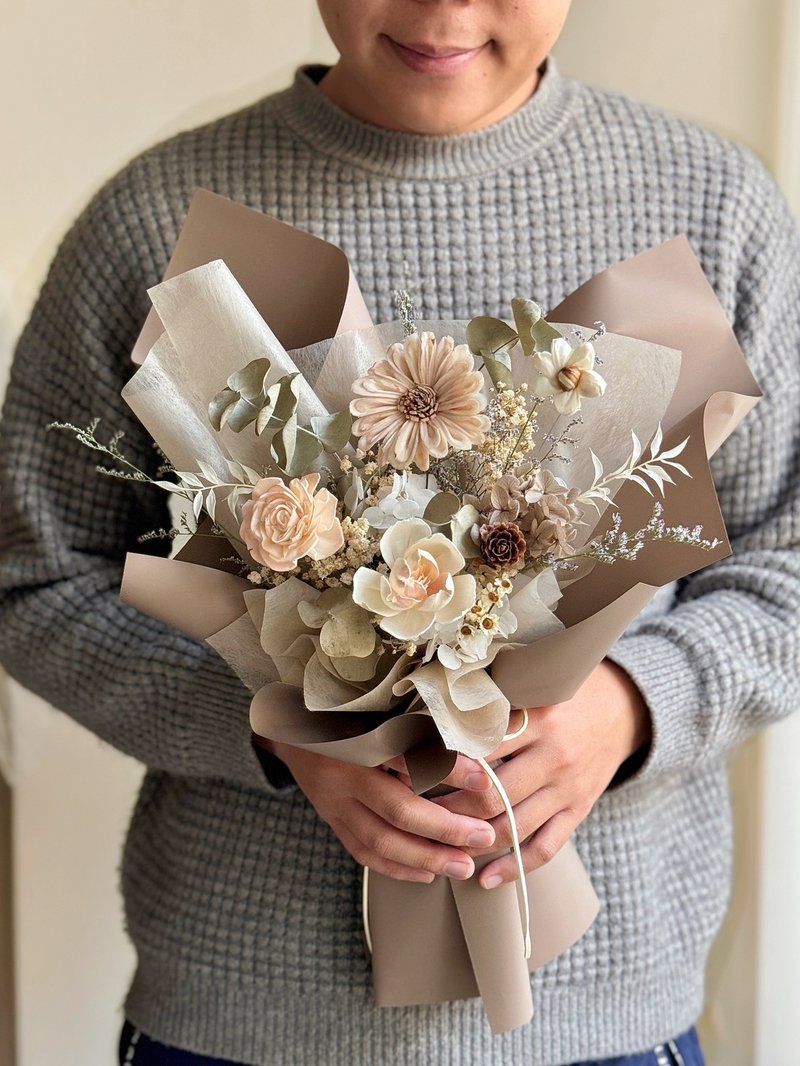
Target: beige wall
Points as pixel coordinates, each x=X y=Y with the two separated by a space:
x=85 y=85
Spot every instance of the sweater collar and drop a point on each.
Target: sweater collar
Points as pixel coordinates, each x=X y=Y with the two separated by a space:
x=333 y=132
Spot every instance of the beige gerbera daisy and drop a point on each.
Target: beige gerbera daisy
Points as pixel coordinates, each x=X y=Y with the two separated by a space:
x=422 y=401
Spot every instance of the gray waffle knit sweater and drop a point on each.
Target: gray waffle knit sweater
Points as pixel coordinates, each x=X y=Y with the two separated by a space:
x=242 y=905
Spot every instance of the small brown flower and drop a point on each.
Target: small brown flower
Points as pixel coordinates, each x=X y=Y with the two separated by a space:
x=502 y=544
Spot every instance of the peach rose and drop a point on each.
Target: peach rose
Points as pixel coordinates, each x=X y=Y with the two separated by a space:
x=283 y=523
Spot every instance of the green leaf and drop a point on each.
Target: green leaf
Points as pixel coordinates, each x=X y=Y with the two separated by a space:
x=488 y=336
x=251 y=381
x=280 y=403
x=219 y=407
x=441 y=508
x=499 y=373
x=543 y=335
x=348 y=632
x=333 y=430
x=461 y=528
x=238 y=404
x=283 y=445
x=294 y=449
x=239 y=415
x=352 y=668
x=526 y=315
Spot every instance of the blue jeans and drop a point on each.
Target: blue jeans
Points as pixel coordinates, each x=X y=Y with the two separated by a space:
x=136 y=1049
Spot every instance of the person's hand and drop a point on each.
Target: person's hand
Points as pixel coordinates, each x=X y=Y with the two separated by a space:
x=383 y=824
x=557 y=768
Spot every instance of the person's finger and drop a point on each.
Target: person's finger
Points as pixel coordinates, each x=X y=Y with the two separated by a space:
x=387 y=867
x=530 y=814
x=398 y=806
x=468 y=774
x=378 y=843
x=521 y=776
x=543 y=846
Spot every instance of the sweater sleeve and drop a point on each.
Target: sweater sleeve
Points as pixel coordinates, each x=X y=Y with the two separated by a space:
x=724 y=661
x=148 y=690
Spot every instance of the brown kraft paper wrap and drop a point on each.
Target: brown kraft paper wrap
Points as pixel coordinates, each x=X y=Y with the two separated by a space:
x=450 y=940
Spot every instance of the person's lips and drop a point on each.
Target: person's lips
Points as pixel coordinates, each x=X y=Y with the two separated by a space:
x=427 y=58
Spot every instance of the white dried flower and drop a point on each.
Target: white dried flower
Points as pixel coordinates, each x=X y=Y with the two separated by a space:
x=567 y=375
x=421 y=589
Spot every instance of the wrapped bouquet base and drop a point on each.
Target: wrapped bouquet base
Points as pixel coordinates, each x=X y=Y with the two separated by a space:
x=454 y=940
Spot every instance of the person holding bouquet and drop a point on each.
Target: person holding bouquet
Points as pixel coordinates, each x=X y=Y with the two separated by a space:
x=444 y=137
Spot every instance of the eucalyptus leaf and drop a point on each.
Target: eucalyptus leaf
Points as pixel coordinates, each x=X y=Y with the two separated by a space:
x=280 y=403
x=499 y=373
x=335 y=599
x=251 y=381
x=352 y=668
x=312 y=614
x=283 y=444
x=219 y=406
x=347 y=633
x=461 y=525
x=526 y=315
x=294 y=449
x=238 y=404
x=544 y=334
x=441 y=508
x=238 y=416
x=488 y=336
x=333 y=430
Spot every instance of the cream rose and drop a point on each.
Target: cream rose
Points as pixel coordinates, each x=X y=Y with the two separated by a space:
x=283 y=523
x=421 y=589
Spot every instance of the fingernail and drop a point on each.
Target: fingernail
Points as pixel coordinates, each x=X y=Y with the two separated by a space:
x=477 y=781
x=492 y=881
x=422 y=876
x=460 y=870
x=480 y=838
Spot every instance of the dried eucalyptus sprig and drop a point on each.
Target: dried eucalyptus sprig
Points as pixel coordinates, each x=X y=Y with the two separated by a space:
x=248 y=399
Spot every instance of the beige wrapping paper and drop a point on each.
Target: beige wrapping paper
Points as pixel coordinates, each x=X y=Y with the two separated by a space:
x=450 y=940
